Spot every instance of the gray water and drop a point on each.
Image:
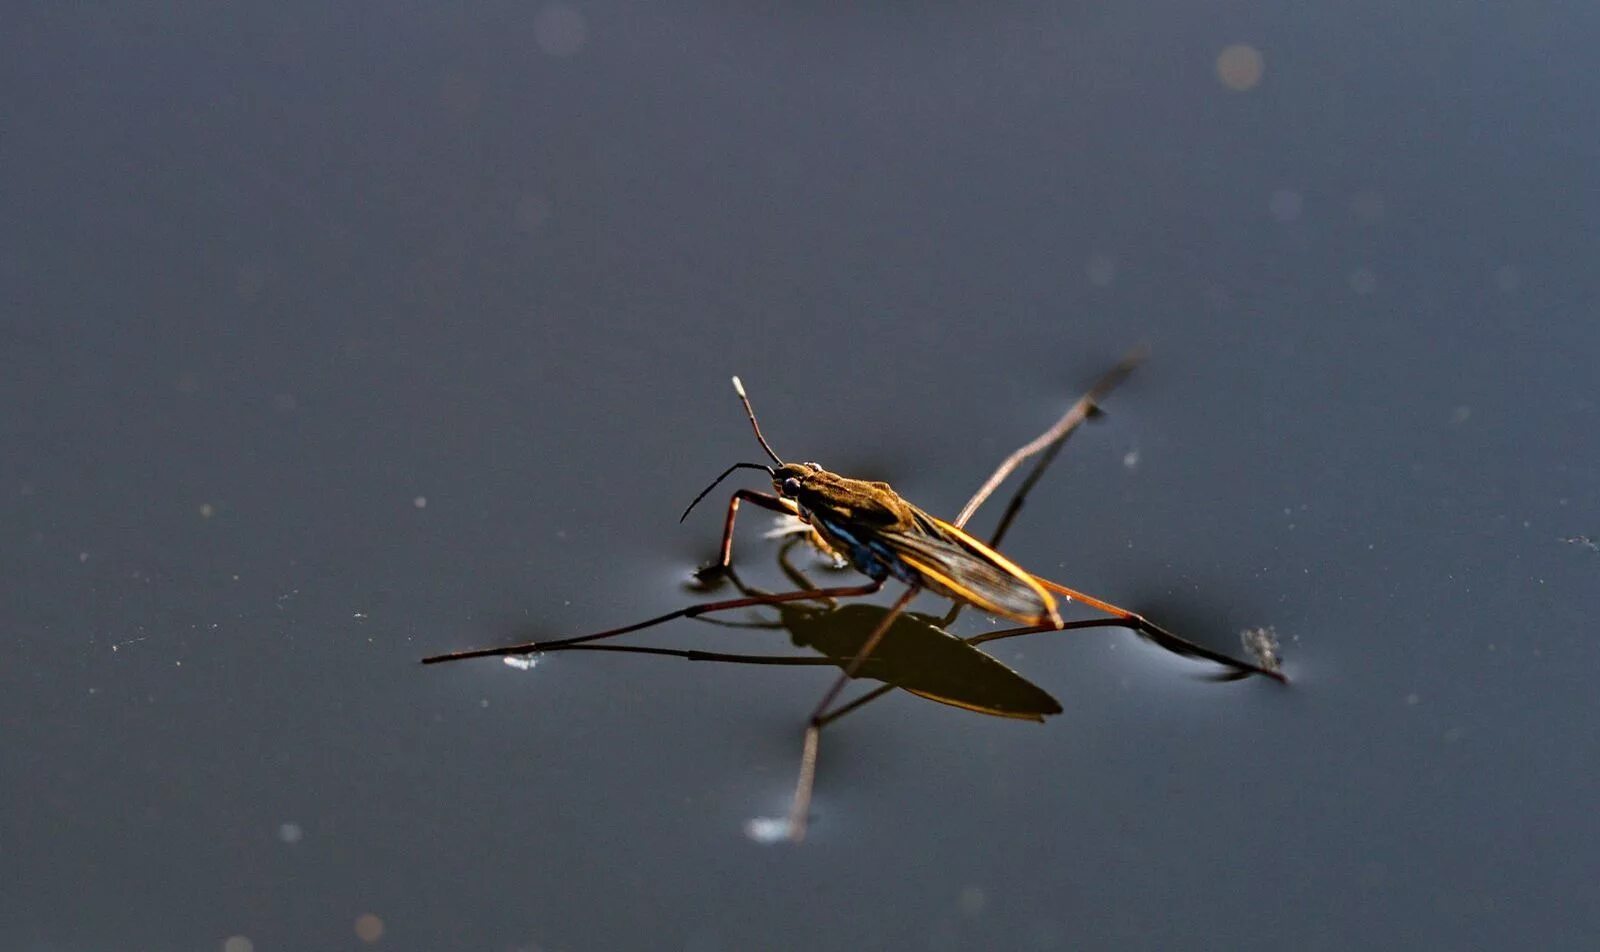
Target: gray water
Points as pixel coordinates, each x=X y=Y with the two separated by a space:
x=339 y=335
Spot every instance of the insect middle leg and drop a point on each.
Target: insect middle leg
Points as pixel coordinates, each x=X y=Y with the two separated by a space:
x=691 y=611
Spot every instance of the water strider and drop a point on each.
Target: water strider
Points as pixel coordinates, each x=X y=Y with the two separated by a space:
x=884 y=537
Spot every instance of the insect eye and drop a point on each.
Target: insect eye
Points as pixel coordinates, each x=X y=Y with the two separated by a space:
x=791 y=487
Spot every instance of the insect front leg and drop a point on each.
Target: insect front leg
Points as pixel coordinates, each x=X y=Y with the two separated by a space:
x=765 y=501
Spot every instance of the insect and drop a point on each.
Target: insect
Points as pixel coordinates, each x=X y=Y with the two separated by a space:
x=886 y=538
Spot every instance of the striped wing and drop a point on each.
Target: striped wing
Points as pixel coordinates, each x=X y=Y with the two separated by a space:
x=956 y=565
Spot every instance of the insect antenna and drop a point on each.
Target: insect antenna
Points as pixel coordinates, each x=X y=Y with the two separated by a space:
x=725 y=474
x=739 y=388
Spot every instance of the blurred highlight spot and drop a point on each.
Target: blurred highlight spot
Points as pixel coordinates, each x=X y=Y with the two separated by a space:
x=1240 y=67
x=249 y=280
x=369 y=928
x=560 y=30
x=460 y=93
x=1368 y=207
x=238 y=943
x=1101 y=270
x=766 y=829
x=1286 y=205
x=532 y=212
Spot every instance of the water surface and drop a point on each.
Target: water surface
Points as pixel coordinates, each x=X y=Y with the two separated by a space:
x=337 y=337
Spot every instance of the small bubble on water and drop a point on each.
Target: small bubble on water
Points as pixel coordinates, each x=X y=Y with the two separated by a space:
x=421 y=502
x=290 y=833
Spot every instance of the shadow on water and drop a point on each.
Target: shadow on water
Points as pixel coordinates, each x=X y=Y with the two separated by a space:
x=917 y=654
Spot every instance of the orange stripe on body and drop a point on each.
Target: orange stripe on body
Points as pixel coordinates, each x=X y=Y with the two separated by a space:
x=1051 y=615
x=955 y=589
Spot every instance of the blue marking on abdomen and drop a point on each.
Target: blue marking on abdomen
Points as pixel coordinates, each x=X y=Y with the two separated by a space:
x=872 y=559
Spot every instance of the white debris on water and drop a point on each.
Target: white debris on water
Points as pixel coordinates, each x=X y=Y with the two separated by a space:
x=1264 y=647
x=522 y=662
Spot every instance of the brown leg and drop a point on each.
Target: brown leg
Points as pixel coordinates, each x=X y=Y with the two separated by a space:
x=808 y=756
x=690 y=654
x=765 y=501
x=1052 y=437
x=1046 y=445
x=1162 y=637
x=1159 y=635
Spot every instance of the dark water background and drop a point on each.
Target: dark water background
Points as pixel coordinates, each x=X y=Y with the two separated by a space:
x=336 y=335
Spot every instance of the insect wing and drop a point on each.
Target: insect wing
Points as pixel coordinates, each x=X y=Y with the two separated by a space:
x=956 y=565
